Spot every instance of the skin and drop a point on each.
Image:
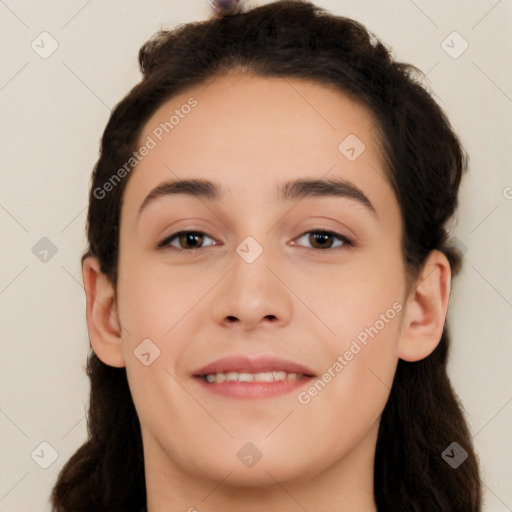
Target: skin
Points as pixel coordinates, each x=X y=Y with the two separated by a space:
x=249 y=134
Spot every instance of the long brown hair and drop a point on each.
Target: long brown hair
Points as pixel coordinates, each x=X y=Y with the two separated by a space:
x=424 y=164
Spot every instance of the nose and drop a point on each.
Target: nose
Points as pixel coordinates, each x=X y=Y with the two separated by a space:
x=253 y=294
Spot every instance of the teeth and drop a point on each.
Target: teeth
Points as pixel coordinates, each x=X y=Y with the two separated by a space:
x=264 y=377
x=279 y=375
x=252 y=377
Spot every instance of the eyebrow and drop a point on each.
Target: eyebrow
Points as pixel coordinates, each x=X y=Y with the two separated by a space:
x=291 y=190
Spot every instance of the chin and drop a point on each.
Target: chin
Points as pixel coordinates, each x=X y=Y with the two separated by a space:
x=259 y=476
x=273 y=466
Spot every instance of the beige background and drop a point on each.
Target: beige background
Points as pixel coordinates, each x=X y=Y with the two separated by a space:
x=53 y=113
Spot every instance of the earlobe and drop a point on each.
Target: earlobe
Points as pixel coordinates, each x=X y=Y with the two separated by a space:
x=425 y=311
x=102 y=316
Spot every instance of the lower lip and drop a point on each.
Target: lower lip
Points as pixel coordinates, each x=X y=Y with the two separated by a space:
x=235 y=389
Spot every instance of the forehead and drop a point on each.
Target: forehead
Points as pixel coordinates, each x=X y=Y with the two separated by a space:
x=250 y=132
x=250 y=102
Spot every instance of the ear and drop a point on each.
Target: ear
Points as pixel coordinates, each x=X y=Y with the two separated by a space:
x=102 y=317
x=425 y=310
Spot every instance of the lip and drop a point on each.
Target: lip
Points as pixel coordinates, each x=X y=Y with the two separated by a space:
x=258 y=364
x=247 y=364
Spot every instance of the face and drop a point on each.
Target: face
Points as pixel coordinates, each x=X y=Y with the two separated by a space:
x=268 y=329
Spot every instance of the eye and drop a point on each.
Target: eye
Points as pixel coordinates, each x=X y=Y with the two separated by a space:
x=323 y=240
x=187 y=240
x=319 y=239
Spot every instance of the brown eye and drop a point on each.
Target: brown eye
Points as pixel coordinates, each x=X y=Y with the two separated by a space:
x=190 y=240
x=186 y=240
x=321 y=239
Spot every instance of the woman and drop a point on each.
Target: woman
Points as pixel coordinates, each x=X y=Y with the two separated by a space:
x=267 y=280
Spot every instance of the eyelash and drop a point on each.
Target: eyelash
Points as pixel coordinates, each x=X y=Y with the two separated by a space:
x=346 y=241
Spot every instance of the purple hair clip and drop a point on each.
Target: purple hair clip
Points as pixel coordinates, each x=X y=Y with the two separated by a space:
x=225 y=7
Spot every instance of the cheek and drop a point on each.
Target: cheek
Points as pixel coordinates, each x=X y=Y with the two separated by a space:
x=352 y=297
x=362 y=306
x=155 y=297
x=362 y=349
x=347 y=398
x=166 y=412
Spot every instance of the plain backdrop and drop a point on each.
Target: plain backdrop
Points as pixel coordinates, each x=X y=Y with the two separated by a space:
x=53 y=111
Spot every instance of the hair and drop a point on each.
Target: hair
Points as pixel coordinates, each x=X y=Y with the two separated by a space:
x=424 y=164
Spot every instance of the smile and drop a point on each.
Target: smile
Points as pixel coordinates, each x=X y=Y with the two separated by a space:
x=252 y=377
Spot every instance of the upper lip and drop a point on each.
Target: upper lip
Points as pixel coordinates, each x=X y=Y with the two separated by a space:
x=257 y=364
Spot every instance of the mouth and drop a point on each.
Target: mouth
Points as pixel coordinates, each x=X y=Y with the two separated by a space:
x=252 y=377
x=274 y=376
